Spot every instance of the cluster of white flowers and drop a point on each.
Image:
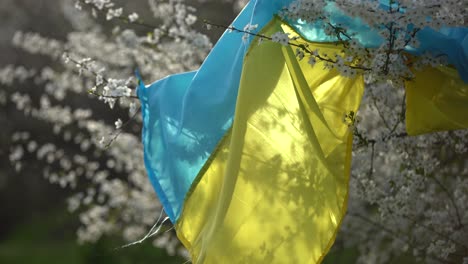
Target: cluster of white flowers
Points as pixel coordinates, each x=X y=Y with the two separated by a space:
x=35 y=43
x=281 y=38
x=247 y=29
x=98 y=65
x=104 y=5
x=99 y=4
x=111 y=13
x=133 y=17
x=398 y=26
x=115 y=89
x=408 y=194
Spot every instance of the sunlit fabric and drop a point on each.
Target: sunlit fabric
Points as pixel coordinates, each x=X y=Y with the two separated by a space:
x=275 y=189
x=185 y=115
x=436 y=100
x=250 y=156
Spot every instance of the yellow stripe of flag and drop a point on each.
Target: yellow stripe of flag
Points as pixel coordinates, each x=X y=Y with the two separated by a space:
x=436 y=100
x=275 y=190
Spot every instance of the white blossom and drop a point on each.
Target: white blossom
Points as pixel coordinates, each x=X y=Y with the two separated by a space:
x=111 y=13
x=133 y=17
x=118 y=124
x=281 y=38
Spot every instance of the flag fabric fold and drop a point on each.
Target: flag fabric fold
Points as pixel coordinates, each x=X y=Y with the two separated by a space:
x=436 y=100
x=275 y=190
x=185 y=115
x=250 y=156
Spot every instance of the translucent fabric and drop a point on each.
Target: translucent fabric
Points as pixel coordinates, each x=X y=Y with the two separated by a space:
x=436 y=100
x=261 y=175
x=315 y=32
x=451 y=43
x=275 y=188
x=185 y=115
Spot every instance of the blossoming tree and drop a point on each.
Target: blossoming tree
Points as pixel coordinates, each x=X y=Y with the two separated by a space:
x=408 y=194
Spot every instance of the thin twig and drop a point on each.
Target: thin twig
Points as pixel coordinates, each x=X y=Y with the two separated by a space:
x=396 y=235
x=111 y=96
x=301 y=46
x=454 y=204
x=371 y=169
x=104 y=80
x=120 y=130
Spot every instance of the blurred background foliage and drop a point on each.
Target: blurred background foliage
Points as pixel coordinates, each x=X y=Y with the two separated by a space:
x=35 y=225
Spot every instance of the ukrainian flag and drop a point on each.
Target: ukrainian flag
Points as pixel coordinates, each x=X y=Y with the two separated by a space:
x=250 y=156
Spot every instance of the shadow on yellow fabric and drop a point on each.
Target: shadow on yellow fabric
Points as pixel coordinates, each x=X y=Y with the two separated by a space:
x=436 y=100
x=275 y=189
